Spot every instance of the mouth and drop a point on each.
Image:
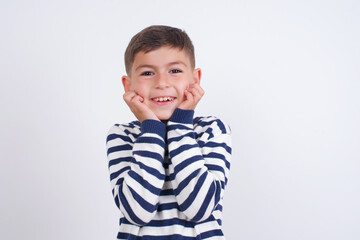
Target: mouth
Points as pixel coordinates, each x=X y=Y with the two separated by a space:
x=163 y=100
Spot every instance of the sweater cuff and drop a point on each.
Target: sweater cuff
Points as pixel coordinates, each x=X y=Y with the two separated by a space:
x=153 y=126
x=182 y=116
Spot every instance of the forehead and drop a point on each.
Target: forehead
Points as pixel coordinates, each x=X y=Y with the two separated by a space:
x=161 y=57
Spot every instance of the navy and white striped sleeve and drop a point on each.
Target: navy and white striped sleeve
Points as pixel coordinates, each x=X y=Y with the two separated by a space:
x=199 y=168
x=136 y=169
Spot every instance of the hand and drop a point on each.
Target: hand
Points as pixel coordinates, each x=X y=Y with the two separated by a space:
x=138 y=107
x=192 y=96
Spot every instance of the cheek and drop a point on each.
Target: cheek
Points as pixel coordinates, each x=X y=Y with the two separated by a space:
x=140 y=89
x=181 y=92
x=183 y=85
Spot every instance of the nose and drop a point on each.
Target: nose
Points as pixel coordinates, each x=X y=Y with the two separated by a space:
x=162 y=81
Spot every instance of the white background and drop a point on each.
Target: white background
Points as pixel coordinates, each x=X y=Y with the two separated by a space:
x=284 y=74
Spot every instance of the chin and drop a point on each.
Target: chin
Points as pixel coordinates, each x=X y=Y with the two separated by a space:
x=164 y=116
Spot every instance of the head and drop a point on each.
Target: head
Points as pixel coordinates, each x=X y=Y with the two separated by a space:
x=160 y=66
x=155 y=37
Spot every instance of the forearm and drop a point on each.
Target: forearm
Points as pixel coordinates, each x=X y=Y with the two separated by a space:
x=137 y=173
x=199 y=173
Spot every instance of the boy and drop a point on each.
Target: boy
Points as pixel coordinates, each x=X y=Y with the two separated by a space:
x=168 y=171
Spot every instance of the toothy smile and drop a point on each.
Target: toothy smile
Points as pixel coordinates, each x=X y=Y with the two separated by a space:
x=163 y=99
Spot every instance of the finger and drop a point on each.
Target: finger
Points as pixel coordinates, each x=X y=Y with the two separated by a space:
x=196 y=93
x=200 y=89
x=130 y=93
x=189 y=95
x=128 y=96
x=137 y=99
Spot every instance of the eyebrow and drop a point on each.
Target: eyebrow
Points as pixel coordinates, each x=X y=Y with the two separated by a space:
x=168 y=65
x=144 y=66
x=177 y=62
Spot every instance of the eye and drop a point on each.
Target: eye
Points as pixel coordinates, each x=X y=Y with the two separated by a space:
x=176 y=71
x=147 y=73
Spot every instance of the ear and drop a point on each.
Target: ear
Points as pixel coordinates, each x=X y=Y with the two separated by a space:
x=126 y=83
x=197 y=75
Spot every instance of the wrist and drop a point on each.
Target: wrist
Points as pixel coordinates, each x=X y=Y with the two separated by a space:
x=148 y=118
x=182 y=116
x=153 y=126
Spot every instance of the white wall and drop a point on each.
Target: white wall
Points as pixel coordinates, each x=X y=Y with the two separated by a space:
x=284 y=74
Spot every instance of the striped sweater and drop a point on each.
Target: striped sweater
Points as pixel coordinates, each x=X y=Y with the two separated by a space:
x=168 y=180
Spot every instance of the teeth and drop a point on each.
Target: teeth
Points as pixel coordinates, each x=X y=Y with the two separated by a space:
x=163 y=99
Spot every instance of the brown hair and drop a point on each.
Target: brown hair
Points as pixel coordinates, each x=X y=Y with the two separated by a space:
x=154 y=37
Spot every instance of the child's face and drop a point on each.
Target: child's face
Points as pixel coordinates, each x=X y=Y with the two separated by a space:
x=161 y=77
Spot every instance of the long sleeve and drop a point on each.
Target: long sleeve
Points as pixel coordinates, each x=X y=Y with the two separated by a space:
x=199 y=163
x=136 y=168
